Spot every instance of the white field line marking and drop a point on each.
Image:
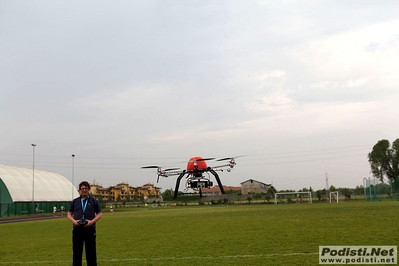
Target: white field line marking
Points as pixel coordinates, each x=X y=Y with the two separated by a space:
x=158 y=259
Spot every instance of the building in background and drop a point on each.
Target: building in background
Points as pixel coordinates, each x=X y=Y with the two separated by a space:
x=252 y=186
x=122 y=192
x=28 y=191
x=247 y=187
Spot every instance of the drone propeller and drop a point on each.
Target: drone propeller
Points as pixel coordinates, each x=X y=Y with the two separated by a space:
x=203 y=159
x=229 y=158
x=150 y=166
x=158 y=167
x=224 y=159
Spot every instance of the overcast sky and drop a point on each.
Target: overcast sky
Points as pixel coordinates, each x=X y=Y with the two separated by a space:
x=304 y=89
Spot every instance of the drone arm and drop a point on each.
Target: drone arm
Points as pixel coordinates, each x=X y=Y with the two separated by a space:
x=217 y=179
x=178 y=183
x=221 y=167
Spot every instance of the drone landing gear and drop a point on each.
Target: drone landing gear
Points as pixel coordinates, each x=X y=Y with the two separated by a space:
x=217 y=179
x=178 y=183
x=199 y=183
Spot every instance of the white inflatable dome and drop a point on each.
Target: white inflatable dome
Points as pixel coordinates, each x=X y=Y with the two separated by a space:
x=48 y=186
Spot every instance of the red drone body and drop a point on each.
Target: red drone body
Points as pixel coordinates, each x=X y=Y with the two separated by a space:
x=196 y=163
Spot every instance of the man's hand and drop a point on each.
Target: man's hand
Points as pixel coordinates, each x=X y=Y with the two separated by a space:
x=70 y=218
x=89 y=223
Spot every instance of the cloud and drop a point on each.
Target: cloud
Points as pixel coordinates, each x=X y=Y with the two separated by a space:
x=277 y=101
x=357 y=83
x=347 y=53
x=139 y=80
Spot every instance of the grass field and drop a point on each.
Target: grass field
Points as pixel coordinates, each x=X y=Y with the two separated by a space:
x=209 y=235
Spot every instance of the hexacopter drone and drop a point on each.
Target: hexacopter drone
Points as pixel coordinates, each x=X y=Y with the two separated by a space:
x=194 y=172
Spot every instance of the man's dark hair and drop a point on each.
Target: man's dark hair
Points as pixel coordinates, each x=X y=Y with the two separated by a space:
x=84 y=183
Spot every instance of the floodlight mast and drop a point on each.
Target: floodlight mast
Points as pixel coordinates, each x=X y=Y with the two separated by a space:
x=73 y=173
x=33 y=180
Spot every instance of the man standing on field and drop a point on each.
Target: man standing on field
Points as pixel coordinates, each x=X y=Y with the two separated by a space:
x=84 y=212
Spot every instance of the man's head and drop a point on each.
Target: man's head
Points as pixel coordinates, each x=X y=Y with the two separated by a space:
x=84 y=188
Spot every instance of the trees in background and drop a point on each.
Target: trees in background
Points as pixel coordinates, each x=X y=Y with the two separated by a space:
x=384 y=160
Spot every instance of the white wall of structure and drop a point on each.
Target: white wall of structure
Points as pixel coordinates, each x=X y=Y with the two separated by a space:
x=47 y=186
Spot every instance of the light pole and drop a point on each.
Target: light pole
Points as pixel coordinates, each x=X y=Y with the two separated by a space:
x=73 y=173
x=33 y=179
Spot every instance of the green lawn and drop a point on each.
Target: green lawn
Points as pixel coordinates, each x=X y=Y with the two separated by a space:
x=209 y=235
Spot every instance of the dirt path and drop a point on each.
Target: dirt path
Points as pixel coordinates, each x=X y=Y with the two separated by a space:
x=28 y=218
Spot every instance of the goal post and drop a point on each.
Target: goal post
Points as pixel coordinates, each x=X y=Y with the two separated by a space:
x=336 y=196
x=297 y=194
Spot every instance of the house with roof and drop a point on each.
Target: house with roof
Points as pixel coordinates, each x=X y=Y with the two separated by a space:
x=249 y=186
x=252 y=186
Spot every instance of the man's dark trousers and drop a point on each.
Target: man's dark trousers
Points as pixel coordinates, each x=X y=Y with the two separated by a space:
x=82 y=236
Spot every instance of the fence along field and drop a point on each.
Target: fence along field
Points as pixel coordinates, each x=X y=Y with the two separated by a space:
x=286 y=234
